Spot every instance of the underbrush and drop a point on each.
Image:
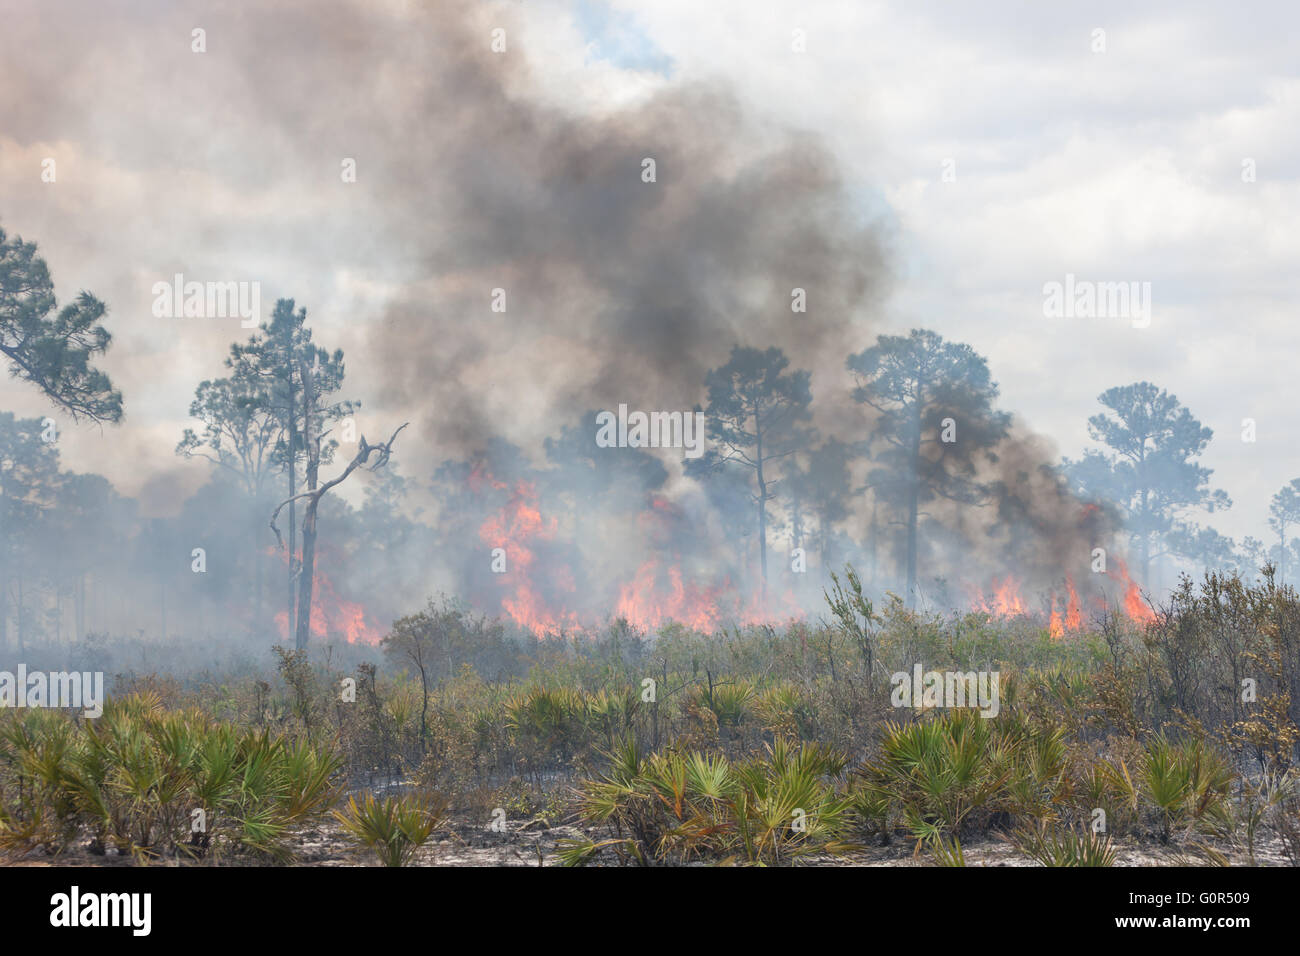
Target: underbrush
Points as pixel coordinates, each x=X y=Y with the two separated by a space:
x=676 y=807
x=156 y=783
x=753 y=745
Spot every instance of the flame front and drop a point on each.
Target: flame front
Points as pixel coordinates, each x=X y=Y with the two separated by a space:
x=641 y=603
x=1071 y=618
x=541 y=595
x=517 y=530
x=1006 y=600
x=1134 y=606
x=331 y=614
x=1003 y=599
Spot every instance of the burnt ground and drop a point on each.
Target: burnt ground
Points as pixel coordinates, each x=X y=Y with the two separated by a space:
x=532 y=843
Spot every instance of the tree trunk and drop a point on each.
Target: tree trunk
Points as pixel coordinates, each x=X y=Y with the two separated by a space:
x=81 y=605
x=22 y=644
x=424 y=707
x=825 y=544
x=762 y=506
x=293 y=543
x=307 y=569
x=762 y=535
x=1146 y=520
x=1281 y=552
x=913 y=506
x=875 y=537
x=313 y=497
x=257 y=580
x=1145 y=552
x=306 y=573
x=293 y=458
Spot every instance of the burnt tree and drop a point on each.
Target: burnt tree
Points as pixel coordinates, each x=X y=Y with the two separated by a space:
x=312 y=496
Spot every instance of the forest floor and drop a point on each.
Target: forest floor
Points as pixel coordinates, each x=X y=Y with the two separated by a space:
x=533 y=843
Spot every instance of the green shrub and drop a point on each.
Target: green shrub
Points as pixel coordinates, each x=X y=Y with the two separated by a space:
x=673 y=807
x=1063 y=846
x=133 y=779
x=393 y=827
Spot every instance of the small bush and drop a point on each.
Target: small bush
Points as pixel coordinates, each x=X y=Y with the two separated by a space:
x=393 y=827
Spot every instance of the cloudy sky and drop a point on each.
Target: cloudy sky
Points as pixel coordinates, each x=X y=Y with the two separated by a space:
x=987 y=149
x=1120 y=165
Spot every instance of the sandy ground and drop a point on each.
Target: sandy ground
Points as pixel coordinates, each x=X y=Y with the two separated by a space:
x=532 y=843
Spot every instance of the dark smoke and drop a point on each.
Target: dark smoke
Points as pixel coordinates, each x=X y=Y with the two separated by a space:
x=472 y=176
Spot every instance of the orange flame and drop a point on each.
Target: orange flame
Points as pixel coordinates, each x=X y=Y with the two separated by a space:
x=1065 y=610
x=658 y=592
x=1071 y=619
x=331 y=614
x=1134 y=606
x=1073 y=611
x=641 y=604
x=1006 y=600
x=516 y=530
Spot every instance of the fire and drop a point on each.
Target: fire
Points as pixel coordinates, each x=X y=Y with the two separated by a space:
x=661 y=591
x=642 y=606
x=331 y=614
x=517 y=529
x=1071 y=619
x=654 y=597
x=540 y=594
x=1073 y=611
x=479 y=478
x=1006 y=600
x=1134 y=606
x=1064 y=609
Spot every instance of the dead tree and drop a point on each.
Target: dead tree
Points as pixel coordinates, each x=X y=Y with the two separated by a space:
x=307 y=567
